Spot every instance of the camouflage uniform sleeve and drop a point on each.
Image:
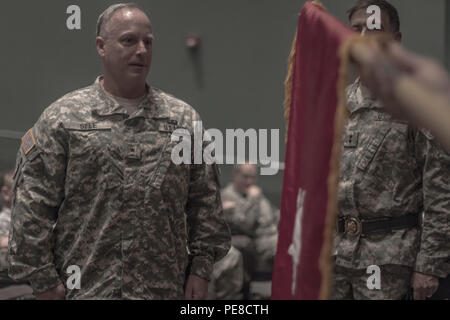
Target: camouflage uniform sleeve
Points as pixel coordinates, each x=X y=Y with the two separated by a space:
x=267 y=218
x=267 y=231
x=4 y=231
x=39 y=191
x=434 y=253
x=208 y=234
x=5 y=221
x=229 y=278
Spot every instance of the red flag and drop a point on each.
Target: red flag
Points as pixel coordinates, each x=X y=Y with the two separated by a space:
x=306 y=197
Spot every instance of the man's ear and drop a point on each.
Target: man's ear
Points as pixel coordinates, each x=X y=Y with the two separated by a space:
x=100 y=44
x=4 y=191
x=398 y=36
x=4 y=195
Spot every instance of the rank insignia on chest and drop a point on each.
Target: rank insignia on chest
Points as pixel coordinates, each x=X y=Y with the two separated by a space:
x=28 y=142
x=351 y=139
x=133 y=151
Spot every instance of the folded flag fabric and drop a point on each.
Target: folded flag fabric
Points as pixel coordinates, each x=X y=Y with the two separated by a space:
x=303 y=262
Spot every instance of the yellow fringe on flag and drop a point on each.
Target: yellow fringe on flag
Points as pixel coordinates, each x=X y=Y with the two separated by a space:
x=318 y=3
x=288 y=85
x=325 y=263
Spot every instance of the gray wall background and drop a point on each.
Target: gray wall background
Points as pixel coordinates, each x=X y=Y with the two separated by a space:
x=235 y=80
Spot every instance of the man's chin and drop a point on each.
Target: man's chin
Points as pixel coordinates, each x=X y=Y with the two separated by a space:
x=135 y=75
x=138 y=67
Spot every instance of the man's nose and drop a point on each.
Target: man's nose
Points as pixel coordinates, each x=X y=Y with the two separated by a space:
x=142 y=48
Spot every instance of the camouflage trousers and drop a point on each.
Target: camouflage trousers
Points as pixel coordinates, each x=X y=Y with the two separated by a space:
x=352 y=284
x=247 y=247
x=17 y=292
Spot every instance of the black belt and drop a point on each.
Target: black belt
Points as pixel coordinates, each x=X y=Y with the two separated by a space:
x=353 y=226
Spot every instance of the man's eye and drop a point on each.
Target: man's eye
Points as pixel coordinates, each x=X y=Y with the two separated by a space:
x=127 y=41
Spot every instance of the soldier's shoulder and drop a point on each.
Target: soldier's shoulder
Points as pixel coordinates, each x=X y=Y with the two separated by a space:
x=434 y=146
x=170 y=98
x=70 y=103
x=177 y=107
x=228 y=191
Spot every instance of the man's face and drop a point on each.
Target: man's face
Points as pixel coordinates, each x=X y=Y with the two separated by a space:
x=358 y=23
x=127 y=48
x=244 y=177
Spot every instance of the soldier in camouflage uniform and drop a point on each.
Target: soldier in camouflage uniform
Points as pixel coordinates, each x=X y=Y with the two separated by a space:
x=394 y=196
x=5 y=220
x=9 y=289
x=253 y=222
x=6 y=182
x=95 y=186
x=228 y=277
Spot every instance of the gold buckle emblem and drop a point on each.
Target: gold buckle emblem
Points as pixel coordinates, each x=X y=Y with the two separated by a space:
x=353 y=227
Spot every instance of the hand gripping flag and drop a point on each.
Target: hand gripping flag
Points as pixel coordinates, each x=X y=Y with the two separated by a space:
x=303 y=262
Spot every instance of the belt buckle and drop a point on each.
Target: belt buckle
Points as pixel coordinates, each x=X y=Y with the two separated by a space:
x=353 y=227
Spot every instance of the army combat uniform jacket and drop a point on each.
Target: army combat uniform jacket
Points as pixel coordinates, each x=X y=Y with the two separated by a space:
x=5 y=220
x=96 y=189
x=228 y=277
x=390 y=169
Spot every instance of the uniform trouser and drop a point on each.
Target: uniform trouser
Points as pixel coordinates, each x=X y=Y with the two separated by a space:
x=351 y=284
x=17 y=292
x=247 y=247
x=443 y=292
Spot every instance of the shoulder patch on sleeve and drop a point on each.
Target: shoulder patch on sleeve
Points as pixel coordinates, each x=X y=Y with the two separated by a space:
x=28 y=142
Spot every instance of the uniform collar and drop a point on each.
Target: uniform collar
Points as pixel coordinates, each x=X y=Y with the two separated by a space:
x=107 y=106
x=359 y=97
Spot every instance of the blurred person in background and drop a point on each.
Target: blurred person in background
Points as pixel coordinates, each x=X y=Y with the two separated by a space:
x=9 y=289
x=253 y=222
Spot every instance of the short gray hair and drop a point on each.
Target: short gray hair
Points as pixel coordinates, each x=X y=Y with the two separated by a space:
x=237 y=167
x=109 y=12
